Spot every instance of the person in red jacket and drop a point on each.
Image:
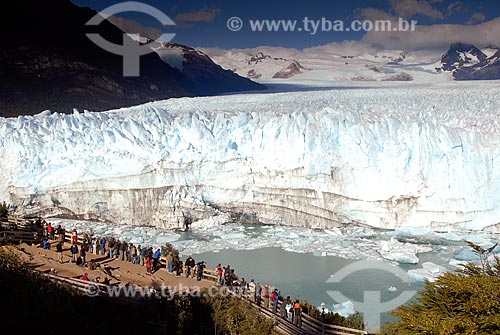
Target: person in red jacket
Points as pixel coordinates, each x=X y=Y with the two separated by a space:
x=74 y=237
x=50 y=231
x=148 y=265
x=218 y=269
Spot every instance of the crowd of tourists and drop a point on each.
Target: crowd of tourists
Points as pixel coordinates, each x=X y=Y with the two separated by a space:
x=110 y=247
x=262 y=295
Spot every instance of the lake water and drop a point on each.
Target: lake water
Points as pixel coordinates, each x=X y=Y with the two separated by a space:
x=304 y=276
x=300 y=261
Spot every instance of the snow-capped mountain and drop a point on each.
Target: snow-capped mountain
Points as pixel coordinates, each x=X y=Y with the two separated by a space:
x=259 y=64
x=340 y=62
x=357 y=62
x=202 y=72
x=467 y=62
x=461 y=55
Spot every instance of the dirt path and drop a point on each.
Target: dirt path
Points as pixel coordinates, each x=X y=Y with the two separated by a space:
x=118 y=272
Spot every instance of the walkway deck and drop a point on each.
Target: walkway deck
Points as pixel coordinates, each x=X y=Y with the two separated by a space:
x=123 y=273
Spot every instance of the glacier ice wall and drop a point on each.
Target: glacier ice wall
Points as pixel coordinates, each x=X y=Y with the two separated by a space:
x=386 y=157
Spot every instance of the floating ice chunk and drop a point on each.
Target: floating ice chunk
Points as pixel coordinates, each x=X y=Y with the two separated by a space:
x=429 y=271
x=334 y=231
x=167 y=238
x=401 y=252
x=418 y=276
x=344 y=309
x=45 y=113
x=231 y=235
x=481 y=240
x=392 y=289
x=402 y=257
x=450 y=236
x=433 y=268
x=413 y=231
x=425 y=235
x=492 y=259
x=466 y=254
x=288 y=235
x=136 y=240
x=213 y=221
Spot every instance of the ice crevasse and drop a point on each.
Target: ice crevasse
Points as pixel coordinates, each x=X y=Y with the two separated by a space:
x=383 y=157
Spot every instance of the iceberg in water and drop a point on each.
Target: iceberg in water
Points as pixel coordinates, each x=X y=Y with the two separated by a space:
x=401 y=252
x=382 y=157
x=344 y=309
x=429 y=271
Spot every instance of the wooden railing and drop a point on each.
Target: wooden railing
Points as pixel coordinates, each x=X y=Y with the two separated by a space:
x=309 y=325
x=18 y=236
x=16 y=230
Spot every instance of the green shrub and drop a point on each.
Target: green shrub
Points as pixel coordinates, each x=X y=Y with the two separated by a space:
x=234 y=317
x=4 y=211
x=353 y=321
x=169 y=248
x=29 y=296
x=465 y=302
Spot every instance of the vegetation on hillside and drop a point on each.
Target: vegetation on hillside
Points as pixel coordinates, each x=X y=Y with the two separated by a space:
x=465 y=302
x=4 y=211
x=353 y=321
x=168 y=248
x=31 y=303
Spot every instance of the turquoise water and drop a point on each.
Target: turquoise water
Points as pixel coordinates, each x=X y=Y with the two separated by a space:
x=304 y=276
x=272 y=256
x=299 y=261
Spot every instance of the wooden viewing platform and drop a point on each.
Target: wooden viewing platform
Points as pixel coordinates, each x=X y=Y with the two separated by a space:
x=309 y=325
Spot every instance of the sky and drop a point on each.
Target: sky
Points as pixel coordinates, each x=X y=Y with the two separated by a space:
x=230 y=24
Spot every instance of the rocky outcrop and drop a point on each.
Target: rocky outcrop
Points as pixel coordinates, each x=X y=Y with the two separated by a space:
x=467 y=62
x=402 y=76
x=253 y=74
x=293 y=69
x=460 y=55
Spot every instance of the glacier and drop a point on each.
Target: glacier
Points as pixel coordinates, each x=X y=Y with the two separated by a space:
x=384 y=155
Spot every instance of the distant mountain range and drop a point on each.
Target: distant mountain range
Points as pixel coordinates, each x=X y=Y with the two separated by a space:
x=47 y=62
x=467 y=62
x=356 y=62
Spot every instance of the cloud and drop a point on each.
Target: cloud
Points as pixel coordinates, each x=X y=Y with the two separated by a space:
x=476 y=18
x=351 y=48
x=408 y=8
x=402 y=9
x=133 y=27
x=373 y=14
x=437 y=36
x=202 y=15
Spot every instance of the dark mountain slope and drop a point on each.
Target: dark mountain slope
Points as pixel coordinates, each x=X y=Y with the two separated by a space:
x=47 y=62
x=467 y=62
